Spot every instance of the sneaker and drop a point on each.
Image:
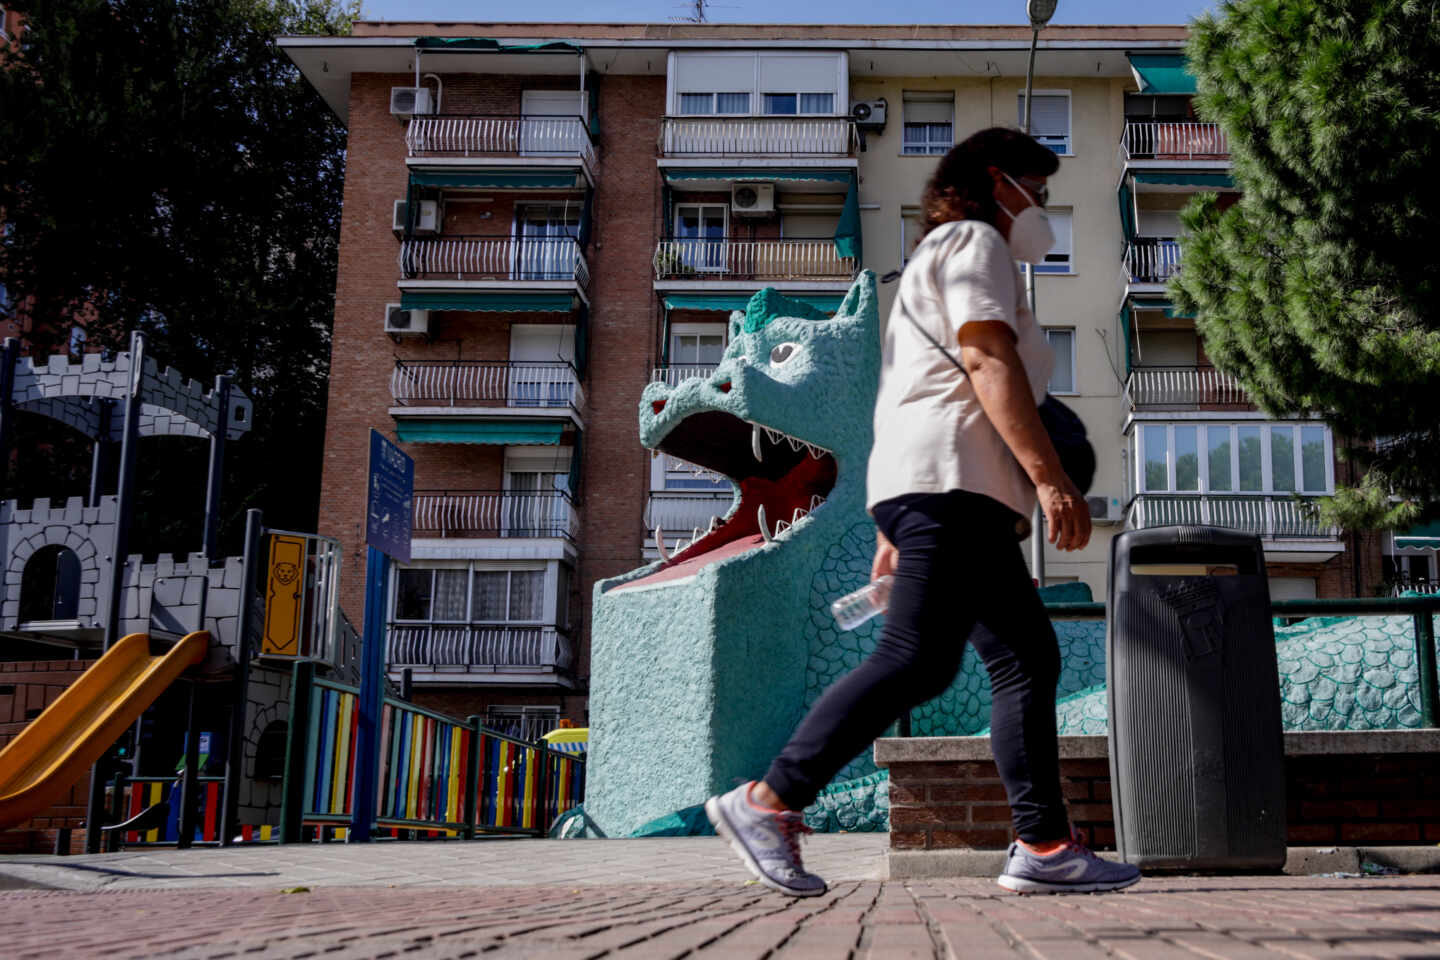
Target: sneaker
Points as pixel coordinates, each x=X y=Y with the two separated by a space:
x=768 y=841
x=1071 y=869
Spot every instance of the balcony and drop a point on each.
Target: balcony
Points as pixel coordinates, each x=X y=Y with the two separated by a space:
x=1150 y=262
x=479 y=387
x=787 y=137
x=809 y=263
x=480 y=262
x=1197 y=144
x=481 y=653
x=671 y=374
x=483 y=514
x=469 y=141
x=683 y=511
x=1279 y=517
x=1183 y=388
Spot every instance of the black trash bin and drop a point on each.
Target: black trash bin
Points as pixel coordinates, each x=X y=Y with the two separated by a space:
x=1196 y=745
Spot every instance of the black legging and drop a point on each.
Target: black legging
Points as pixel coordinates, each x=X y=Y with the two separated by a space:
x=961 y=577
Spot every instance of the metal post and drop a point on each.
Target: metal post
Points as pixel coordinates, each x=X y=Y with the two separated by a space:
x=100 y=454
x=1425 y=660
x=214 y=484
x=297 y=752
x=188 y=777
x=472 y=780
x=9 y=356
x=372 y=682
x=407 y=684
x=1037 y=522
x=234 y=752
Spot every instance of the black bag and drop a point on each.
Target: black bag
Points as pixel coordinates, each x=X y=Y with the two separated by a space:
x=1067 y=433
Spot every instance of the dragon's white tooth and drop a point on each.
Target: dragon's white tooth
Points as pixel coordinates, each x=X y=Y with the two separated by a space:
x=780 y=527
x=755 y=442
x=799 y=512
x=714 y=522
x=816 y=500
x=794 y=442
x=764 y=529
x=660 y=546
x=815 y=451
x=694 y=534
x=774 y=435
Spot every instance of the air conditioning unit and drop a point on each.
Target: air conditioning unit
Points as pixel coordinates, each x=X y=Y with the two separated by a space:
x=408 y=101
x=400 y=322
x=869 y=114
x=427 y=221
x=1106 y=510
x=752 y=199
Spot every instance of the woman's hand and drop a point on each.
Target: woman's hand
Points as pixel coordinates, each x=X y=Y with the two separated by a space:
x=1067 y=516
x=886 y=557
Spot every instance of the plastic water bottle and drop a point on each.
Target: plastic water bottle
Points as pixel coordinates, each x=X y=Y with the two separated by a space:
x=870 y=600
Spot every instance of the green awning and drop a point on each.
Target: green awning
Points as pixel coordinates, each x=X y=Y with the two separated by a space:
x=484 y=301
x=1221 y=181
x=498 y=179
x=499 y=432
x=1127 y=211
x=1425 y=536
x=1142 y=303
x=487 y=45
x=847 y=231
x=739 y=301
x=749 y=173
x=1161 y=73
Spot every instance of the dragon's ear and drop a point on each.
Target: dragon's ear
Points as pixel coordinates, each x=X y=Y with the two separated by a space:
x=862 y=304
x=737 y=321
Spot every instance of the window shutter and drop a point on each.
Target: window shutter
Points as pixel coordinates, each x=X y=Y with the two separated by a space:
x=929 y=111
x=1050 y=117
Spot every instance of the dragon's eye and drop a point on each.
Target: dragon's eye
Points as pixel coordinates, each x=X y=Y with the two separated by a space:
x=783 y=352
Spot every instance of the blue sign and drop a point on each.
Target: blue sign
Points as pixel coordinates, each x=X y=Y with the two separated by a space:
x=389 y=501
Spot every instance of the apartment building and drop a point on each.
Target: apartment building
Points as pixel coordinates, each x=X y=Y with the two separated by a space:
x=539 y=219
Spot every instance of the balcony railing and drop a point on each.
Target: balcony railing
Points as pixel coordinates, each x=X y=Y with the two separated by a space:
x=494 y=258
x=1278 y=517
x=478 y=646
x=467 y=135
x=793 y=259
x=1199 y=387
x=671 y=374
x=757 y=136
x=1428 y=588
x=1152 y=259
x=495 y=513
x=1154 y=140
x=480 y=383
x=683 y=511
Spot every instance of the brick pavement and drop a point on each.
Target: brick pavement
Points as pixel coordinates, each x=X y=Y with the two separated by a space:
x=713 y=912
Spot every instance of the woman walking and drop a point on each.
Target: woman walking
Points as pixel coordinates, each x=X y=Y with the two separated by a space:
x=959 y=461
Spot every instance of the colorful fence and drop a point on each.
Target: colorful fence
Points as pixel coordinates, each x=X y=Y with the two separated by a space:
x=437 y=775
x=144 y=792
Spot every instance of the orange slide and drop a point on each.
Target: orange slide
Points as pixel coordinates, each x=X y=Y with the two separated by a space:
x=60 y=745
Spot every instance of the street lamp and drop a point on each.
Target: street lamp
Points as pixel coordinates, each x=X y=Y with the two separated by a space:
x=1039 y=12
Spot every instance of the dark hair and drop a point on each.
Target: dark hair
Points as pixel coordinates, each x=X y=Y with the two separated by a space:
x=961 y=187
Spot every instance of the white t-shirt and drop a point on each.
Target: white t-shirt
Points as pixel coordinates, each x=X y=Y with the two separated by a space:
x=931 y=434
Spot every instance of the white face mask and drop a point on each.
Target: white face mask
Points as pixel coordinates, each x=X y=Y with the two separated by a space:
x=1031 y=236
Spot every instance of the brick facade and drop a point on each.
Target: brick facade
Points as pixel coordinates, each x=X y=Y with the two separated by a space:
x=26 y=688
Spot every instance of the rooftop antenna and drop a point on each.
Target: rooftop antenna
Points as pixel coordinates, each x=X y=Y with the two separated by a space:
x=696 y=12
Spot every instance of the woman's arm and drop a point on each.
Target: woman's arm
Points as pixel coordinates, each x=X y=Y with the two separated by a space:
x=987 y=351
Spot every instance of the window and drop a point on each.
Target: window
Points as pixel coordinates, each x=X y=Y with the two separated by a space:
x=270 y=752
x=790 y=104
x=1062 y=378
x=1058 y=259
x=1235 y=458
x=700 y=237
x=546 y=233
x=50 y=585
x=700 y=104
x=912 y=231
x=523 y=723
x=469 y=595
x=1049 y=118
x=696 y=349
x=536 y=504
x=929 y=123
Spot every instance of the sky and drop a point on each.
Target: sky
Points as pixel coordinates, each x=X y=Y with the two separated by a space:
x=786 y=11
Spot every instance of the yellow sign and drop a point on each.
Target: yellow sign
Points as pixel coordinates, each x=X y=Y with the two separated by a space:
x=284 y=597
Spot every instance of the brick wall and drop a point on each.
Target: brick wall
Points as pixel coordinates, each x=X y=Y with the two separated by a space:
x=26 y=688
x=1380 y=798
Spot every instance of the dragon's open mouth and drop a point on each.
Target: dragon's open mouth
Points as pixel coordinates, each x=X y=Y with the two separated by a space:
x=781 y=480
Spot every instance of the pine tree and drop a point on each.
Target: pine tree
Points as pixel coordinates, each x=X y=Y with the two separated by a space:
x=1318 y=290
x=164 y=167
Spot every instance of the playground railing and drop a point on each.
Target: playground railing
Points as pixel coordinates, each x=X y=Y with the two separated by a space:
x=438 y=775
x=142 y=793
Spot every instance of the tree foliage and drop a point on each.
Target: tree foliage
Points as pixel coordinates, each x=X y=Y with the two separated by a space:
x=165 y=168
x=1318 y=288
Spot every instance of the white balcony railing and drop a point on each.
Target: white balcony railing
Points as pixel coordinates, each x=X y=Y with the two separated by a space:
x=495 y=513
x=671 y=374
x=794 y=259
x=485 y=646
x=476 y=383
x=757 y=137
x=1152 y=259
x=463 y=135
x=1182 y=387
x=494 y=258
x=682 y=511
x=1174 y=141
x=1277 y=517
